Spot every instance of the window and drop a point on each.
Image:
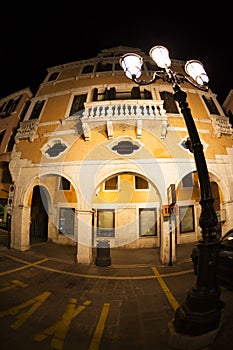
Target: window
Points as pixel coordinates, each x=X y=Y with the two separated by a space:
x=37 y=109
x=9 y=107
x=78 y=104
x=11 y=142
x=111 y=184
x=53 y=76
x=66 y=221
x=104 y=67
x=88 y=69
x=140 y=183
x=169 y=105
x=186 y=214
x=210 y=105
x=6 y=175
x=2 y=133
x=187 y=181
x=25 y=109
x=147 y=222
x=105 y=222
x=112 y=94
x=64 y=184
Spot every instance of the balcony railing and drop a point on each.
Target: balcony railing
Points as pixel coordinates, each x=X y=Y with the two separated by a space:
x=124 y=109
x=27 y=129
x=221 y=125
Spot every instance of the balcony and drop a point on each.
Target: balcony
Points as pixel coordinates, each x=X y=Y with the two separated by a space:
x=27 y=129
x=221 y=125
x=135 y=111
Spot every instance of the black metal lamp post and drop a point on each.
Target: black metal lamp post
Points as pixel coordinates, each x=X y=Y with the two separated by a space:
x=202 y=311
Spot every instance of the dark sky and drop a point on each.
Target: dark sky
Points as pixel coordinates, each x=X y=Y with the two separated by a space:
x=36 y=38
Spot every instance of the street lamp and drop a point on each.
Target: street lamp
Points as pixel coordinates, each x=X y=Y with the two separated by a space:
x=202 y=311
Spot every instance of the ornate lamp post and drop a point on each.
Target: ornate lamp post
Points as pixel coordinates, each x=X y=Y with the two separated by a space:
x=202 y=311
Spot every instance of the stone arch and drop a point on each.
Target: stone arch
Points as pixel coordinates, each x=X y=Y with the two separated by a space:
x=127 y=205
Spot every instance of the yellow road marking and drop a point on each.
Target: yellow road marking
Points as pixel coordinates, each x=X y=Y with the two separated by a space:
x=60 y=328
x=85 y=275
x=99 y=328
x=15 y=283
x=23 y=316
x=23 y=267
x=174 y=303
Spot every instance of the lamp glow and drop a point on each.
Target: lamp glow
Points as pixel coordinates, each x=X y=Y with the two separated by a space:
x=132 y=65
x=197 y=72
x=160 y=55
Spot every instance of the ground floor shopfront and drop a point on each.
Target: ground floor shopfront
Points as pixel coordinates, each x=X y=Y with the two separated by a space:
x=121 y=202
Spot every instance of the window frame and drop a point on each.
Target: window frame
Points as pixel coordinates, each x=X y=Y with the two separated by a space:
x=70 y=221
x=140 y=189
x=155 y=219
x=103 y=232
x=184 y=230
x=117 y=184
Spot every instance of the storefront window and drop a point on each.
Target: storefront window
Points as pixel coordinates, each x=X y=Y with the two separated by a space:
x=147 y=222
x=186 y=218
x=105 y=222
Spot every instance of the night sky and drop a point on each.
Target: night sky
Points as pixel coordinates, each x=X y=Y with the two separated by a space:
x=36 y=38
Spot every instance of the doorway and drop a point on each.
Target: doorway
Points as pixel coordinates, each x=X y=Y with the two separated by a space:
x=39 y=216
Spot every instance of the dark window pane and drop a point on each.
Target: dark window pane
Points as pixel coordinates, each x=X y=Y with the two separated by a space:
x=88 y=69
x=53 y=76
x=135 y=93
x=2 y=133
x=37 y=109
x=140 y=183
x=104 y=67
x=78 y=103
x=210 y=105
x=111 y=184
x=64 y=184
x=187 y=180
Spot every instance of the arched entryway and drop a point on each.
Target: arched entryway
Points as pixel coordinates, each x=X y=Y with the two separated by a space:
x=39 y=216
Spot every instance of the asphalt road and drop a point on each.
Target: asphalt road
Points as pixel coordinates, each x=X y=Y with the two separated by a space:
x=51 y=304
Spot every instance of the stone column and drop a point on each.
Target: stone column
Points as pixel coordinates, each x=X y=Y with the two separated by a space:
x=20 y=228
x=84 y=237
x=168 y=235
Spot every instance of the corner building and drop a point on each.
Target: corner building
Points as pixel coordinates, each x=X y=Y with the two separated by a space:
x=96 y=154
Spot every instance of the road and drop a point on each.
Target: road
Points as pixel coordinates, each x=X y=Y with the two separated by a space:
x=49 y=304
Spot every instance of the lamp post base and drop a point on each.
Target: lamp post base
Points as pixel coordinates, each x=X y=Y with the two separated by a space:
x=192 y=342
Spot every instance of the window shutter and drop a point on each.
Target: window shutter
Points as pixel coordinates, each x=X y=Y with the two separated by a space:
x=95 y=94
x=135 y=93
x=169 y=102
x=112 y=93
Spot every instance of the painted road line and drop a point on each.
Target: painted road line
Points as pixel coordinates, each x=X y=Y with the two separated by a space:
x=15 y=283
x=23 y=267
x=99 y=328
x=59 y=329
x=94 y=276
x=172 y=300
x=23 y=316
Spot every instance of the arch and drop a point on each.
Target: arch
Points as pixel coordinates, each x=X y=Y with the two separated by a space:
x=130 y=209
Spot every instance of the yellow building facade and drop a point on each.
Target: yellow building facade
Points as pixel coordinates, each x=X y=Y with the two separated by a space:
x=96 y=154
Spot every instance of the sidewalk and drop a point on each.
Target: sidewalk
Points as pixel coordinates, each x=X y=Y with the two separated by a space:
x=120 y=257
